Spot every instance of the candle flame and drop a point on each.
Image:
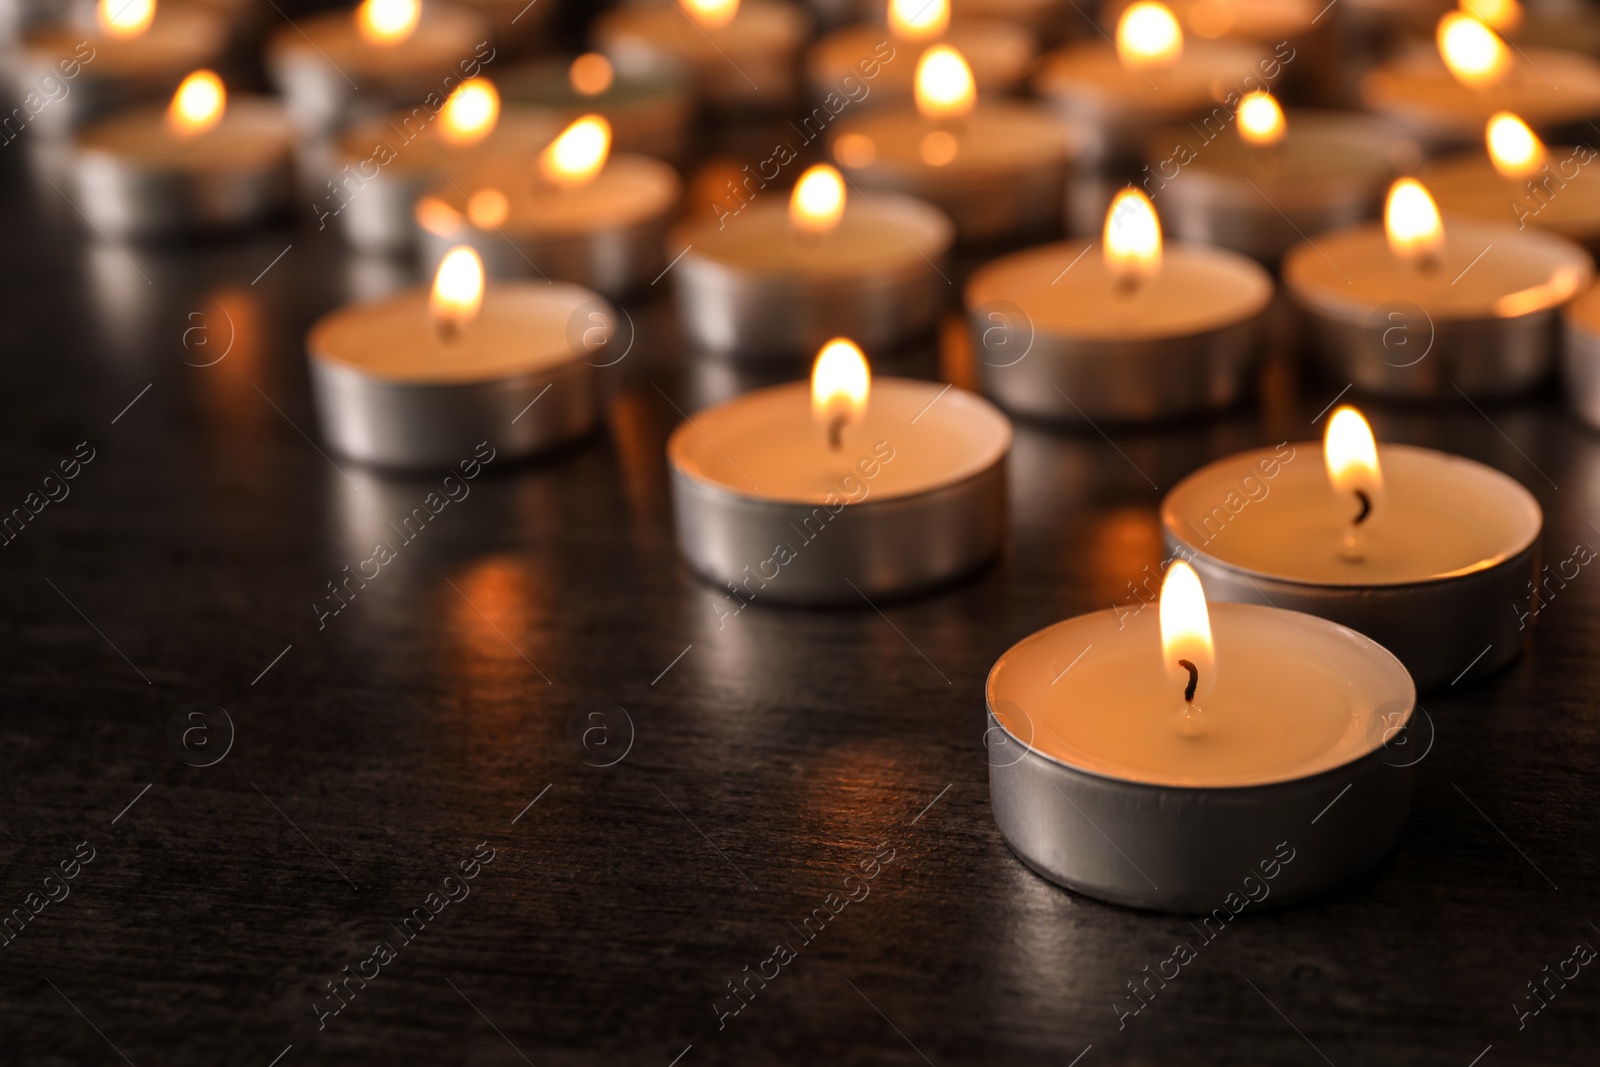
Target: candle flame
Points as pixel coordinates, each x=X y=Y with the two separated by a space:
x=590 y=74
x=1515 y=150
x=471 y=112
x=197 y=105
x=457 y=290
x=386 y=22
x=939 y=148
x=1148 y=36
x=1261 y=119
x=855 y=150
x=918 y=20
x=1503 y=15
x=436 y=216
x=1411 y=222
x=710 y=14
x=1351 y=455
x=1132 y=238
x=488 y=208
x=840 y=384
x=944 y=85
x=817 y=203
x=576 y=156
x=1186 y=634
x=1474 y=53
x=124 y=18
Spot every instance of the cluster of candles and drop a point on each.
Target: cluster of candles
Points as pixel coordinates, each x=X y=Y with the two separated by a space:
x=1190 y=737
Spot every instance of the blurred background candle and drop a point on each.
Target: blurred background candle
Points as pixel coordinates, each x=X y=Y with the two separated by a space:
x=649 y=111
x=998 y=169
x=1424 y=307
x=1126 y=331
x=203 y=162
x=578 y=214
x=778 y=279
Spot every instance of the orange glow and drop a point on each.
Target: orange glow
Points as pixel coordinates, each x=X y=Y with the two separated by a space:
x=576 y=156
x=1186 y=633
x=840 y=384
x=944 y=85
x=1132 y=238
x=197 y=105
x=470 y=113
x=939 y=148
x=1503 y=15
x=590 y=74
x=918 y=20
x=387 y=22
x=457 y=292
x=1515 y=150
x=1474 y=53
x=855 y=150
x=1148 y=36
x=436 y=216
x=1261 y=119
x=710 y=14
x=124 y=18
x=817 y=202
x=488 y=208
x=1411 y=221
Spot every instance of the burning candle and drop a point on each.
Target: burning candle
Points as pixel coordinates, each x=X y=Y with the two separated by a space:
x=203 y=162
x=778 y=279
x=1415 y=307
x=845 y=487
x=1420 y=550
x=580 y=214
x=875 y=64
x=996 y=170
x=736 y=53
x=421 y=378
x=648 y=111
x=1137 y=332
x=400 y=52
x=1182 y=759
x=1152 y=77
x=1267 y=183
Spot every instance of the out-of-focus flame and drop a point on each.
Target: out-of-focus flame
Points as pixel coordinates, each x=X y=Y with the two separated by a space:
x=590 y=74
x=457 y=292
x=1132 y=238
x=1515 y=150
x=939 y=148
x=855 y=150
x=1503 y=15
x=1411 y=222
x=1474 y=53
x=576 y=156
x=710 y=14
x=1261 y=119
x=124 y=18
x=436 y=216
x=386 y=22
x=470 y=113
x=1186 y=634
x=944 y=85
x=840 y=384
x=488 y=208
x=197 y=105
x=1148 y=36
x=817 y=202
x=918 y=20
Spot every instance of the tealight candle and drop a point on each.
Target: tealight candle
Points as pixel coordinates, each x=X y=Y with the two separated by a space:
x=398 y=52
x=420 y=379
x=1415 y=307
x=1000 y=52
x=581 y=215
x=1152 y=77
x=845 y=489
x=649 y=111
x=1580 y=355
x=382 y=165
x=1523 y=182
x=736 y=53
x=1428 y=554
x=203 y=162
x=778 y=279
x=996 y=170
x=134 y=54
x=1445 y=97
x=1187 y=761
x=1135 y=332
x=1263 y=186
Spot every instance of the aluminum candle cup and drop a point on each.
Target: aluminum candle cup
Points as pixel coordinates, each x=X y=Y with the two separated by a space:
x=1059 y=339
x=1485 y=326
x=391 y=392
x=393 y=161
x=1329 y=171
x=314 y=62
x=1448 y=560
x=608 y=235
x=1580 y=355
x=649 y=112
x=748 y=62
x=999 y=53
x=914 y=497
x=1562 y=197
x=1007 y=175
x=136 y=178
x=1284 y=792
x=758 y=288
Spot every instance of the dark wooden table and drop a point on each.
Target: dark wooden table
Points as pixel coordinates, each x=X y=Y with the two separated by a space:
x=665 y=796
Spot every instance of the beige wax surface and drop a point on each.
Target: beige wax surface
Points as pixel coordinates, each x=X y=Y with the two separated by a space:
x=1544 y=87
x=997 y=138
x=628 y=190
x=254 y=132
x=766 y=444
x=444 y=37
x=520 y=134
x=1351 y=272
x=180 y=39
x=890 y=235
x=1439 y=516
x=997 y=52
x=1206 y=71
x=1067 y=291
x=1288 y=701
x=1469 y=185
x=1319 y=150
x=522 y=327
x=765 y=27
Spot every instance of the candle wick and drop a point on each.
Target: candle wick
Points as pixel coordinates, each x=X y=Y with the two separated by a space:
x=1366 y=507
x=1127 y=284
x=1194 y=680
x=447 y=329
x=836 y=432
